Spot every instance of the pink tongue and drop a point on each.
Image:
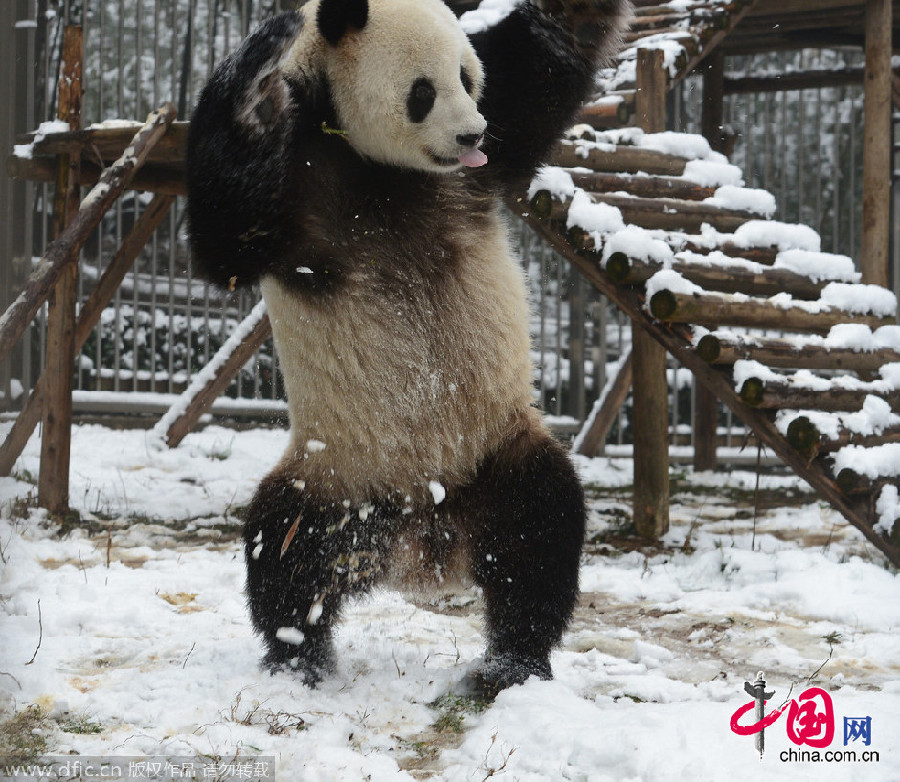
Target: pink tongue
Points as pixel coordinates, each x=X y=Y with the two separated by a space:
x=473 y=158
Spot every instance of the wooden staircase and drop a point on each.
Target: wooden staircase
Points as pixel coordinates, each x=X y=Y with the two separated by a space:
x=784 y=335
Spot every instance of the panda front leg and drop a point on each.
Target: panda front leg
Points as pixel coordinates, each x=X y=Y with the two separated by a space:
x=237 y=158
x=527 y=505
x=304 y=557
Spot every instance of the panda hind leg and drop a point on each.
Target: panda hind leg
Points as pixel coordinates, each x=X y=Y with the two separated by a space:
x=303 y=558
x=527 y=508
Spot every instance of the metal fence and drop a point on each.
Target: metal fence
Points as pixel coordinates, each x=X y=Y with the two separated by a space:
x=164 y=323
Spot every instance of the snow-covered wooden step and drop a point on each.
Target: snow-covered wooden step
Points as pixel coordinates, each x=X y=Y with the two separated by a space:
x=640 y=186
x=668 y=214
x=724 y=348
x=760 y=387
x=726 y=275
x=622 y=159
x=785 y=314
x=817 y=432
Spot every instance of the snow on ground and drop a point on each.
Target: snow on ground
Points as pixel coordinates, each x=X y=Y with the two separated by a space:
x=131 y=636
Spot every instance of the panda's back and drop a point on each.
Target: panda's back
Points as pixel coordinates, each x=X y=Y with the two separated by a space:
x=408 y=359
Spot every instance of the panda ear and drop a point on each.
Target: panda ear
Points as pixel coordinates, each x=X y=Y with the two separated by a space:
x=335 y=17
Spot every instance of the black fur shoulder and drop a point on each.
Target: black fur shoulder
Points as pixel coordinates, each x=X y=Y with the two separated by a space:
x=236 y=158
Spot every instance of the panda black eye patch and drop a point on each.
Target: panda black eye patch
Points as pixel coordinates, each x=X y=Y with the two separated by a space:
x=420 y=100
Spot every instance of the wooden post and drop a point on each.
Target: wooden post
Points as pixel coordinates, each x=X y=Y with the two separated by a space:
x=53 y=481
x=877 y=144
x=650 y=420
x=706 y=405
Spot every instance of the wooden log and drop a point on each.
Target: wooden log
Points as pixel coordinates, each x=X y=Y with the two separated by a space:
x=773 y=352
x=650 y=422
x=609 y=112
x=763 y=255
x=788 y=82
x=88 y=317
x=641 y=186
x=714 y=35
x=215 y=385
x=53 y=477
x=64 y=249
x=777 y=395
x=630 y=271
x=876 y=227
x=676 y=338
x=712 y=310
x=104 y=145
x=624 y=160
x=151 y=178
x=668 y=215
x=609 y=403
x=855 y=485
x=805 y=437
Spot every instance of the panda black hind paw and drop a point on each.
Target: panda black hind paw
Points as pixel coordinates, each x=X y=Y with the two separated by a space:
x=500 y=672
x=311 y=668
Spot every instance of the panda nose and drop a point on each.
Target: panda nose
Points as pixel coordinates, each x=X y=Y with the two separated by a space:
x=469 y=139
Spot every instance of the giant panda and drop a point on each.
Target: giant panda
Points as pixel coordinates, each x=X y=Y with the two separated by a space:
x=350 y=158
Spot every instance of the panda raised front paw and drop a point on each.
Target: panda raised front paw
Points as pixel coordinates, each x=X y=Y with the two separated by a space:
x=595 y=24
x=254 y=70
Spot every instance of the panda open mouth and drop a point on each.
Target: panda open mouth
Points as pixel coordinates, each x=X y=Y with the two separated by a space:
x=471 y=158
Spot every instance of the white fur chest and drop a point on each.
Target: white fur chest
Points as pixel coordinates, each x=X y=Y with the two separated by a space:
x=390 y=391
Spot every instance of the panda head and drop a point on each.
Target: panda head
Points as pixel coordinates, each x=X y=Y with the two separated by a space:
x=405 y=82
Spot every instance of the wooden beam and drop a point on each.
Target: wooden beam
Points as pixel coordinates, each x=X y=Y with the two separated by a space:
x=669 y=215
x=724 y=279
x=877 y=144
x=788 y=82
x=650 y=421
x=53 y=477
x=216 y=384
x=677 y=340
x=622 y=160
x=65 y=248
x=783 y=353
x=151 y=178
x=607 y=408
x=706 y=405
x=711 y=310
x=88 y=317
x=778 y=395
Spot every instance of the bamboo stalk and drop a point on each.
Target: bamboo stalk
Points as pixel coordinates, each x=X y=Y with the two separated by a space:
x=773 y=352
x=64 y=249
x=715 y=310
